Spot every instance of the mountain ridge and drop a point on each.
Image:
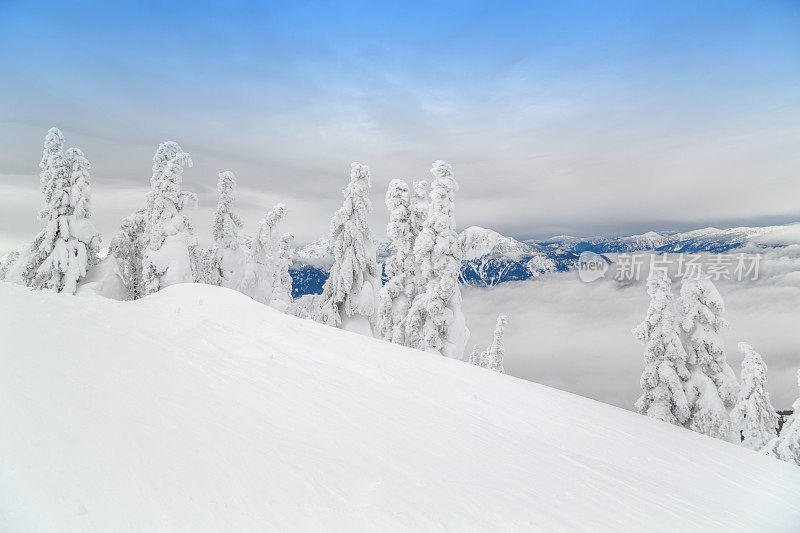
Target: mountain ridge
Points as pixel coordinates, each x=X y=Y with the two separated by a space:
x=510 y=259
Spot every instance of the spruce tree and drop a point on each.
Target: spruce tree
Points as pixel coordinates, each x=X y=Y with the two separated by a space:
x=753 y=416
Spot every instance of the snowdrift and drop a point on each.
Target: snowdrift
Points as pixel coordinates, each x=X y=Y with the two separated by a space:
x=198 y=409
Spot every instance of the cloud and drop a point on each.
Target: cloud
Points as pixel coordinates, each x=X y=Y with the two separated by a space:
x=575 y=336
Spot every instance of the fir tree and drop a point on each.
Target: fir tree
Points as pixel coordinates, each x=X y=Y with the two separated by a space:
x=348 y=299
x=753 y=416
x=663 y=396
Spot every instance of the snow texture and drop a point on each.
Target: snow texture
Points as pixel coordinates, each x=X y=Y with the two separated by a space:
x=240 y=418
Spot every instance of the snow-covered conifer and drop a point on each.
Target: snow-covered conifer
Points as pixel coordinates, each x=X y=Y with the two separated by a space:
x=786 y=446
x=419 y=206
x=396 y=293
x=84 y=242
x=62 y=252
x=263 y=258
x=9 y=261
x=493 y=357
x=701 y=320
x=435 y=321
x=169 y=256
x=348 y=299
x=474 y=357
x=223 y=263
x=282 y=281
x=753 y=416
x=418 y=213
x=127 y=247
x=663 y=396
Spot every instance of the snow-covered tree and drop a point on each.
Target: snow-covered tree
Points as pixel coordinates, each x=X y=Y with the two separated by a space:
x=263 y=262
x=418 y=210
x=663 y=396
x=169 y=256
x=397 y=292
x=348 y=299
x=435 y=321
x=474 y=357
x=127 y=247
x=701 y=320
x=63 y=251
x=786 y=446
x=493 y=357
x=753 y=416
x=419 y=206
x=282 y=281
x=9 y=261
x=223 y=263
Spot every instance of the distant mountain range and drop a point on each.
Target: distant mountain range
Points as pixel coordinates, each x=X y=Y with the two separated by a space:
x=493 y=258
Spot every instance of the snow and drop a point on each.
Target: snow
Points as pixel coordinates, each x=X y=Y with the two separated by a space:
x=238 y=418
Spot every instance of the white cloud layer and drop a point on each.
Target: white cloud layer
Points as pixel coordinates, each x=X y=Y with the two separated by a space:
x=576 y=336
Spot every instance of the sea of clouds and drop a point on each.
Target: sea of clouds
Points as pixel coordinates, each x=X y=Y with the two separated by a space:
x=576 y=336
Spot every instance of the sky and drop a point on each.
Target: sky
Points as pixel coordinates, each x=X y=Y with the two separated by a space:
x=565 y=117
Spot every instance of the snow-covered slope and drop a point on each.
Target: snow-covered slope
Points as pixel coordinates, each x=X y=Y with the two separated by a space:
x=198 y=409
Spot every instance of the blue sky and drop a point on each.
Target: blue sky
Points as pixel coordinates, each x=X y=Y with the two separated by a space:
x=558 y=117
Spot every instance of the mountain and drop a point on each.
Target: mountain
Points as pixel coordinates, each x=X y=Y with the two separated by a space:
x=491 y=258
x=701 y=240
x=503 y=258
x=198 y=409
